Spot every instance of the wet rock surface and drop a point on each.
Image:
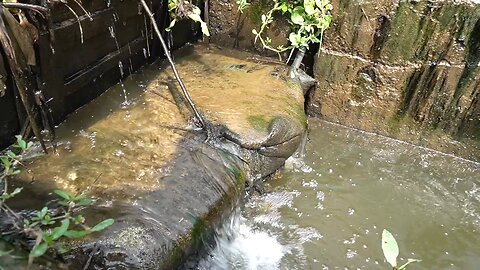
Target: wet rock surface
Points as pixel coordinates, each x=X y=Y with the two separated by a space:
x=134 y=150
x=406 y=69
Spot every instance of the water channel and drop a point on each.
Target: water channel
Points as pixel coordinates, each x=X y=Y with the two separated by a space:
x=325 y=210
x=328 y=209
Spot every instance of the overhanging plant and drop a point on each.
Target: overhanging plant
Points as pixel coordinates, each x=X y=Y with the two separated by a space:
x=308 y=21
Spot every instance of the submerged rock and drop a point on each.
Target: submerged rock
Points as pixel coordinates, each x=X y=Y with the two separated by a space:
x=163 y=184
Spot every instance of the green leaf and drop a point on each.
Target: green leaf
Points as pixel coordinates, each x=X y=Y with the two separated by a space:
x=79 y=197
x=20 y=142
x=309 y=7
x=294 y=39
x=84 y=202
x=47 y=238
x=15 y=172
x=79 y=219
x=63 y=194
x=390 y=248
x=38 y=250
x=11 y=154
x=16 y=191
x=60 y=231
x=6 y=162
x=102 y=225
x=75 y=234
x=205 y=29
x=42 y=212
x=297 y=15
x=195 y=17
x=172 y=24
x=409 y=261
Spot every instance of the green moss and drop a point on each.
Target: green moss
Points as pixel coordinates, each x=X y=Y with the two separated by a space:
x=405 y=26
x=258 y=122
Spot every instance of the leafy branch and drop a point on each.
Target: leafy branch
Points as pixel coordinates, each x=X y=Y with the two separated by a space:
x=180 y=9
x=308 y=21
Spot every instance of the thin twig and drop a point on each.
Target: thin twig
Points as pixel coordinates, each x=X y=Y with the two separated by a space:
x=78 y=20
x=290 y=55
x=84 y=10
x=175 y=72
x=147 y=37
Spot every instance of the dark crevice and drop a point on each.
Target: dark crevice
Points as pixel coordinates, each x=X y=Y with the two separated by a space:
x=409 y=91
x=472 y=60
x=380 y=36
x=308 y=62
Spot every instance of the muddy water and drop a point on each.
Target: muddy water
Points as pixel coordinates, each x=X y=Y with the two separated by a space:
x=327 y=210
x=118 y=145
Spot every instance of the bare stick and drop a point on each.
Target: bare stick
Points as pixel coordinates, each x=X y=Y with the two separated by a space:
x=170 y=60
x=78 y=20
x=18 y=79
x=84 y=10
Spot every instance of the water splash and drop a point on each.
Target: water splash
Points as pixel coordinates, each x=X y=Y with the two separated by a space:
x=240 y=246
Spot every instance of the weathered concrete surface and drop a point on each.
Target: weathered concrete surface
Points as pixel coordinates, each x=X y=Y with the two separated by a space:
x=232 y=28
x=407 y=69
x=163 y=185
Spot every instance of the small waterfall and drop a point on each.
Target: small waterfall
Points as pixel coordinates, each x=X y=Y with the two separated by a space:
x=239 y=245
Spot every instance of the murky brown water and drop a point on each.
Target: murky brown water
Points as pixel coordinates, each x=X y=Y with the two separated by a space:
x=119 y=145
x=132 y=148
x=327 y=210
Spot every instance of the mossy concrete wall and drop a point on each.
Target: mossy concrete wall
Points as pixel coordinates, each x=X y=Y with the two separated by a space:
x=406 y=69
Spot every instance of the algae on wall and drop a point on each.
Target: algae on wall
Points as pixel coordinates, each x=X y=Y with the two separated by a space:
x=407 y=69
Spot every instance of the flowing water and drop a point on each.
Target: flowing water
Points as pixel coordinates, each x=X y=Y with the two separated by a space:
x=328 y=209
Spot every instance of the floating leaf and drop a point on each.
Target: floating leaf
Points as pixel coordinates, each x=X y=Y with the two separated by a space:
x=390 y=248
x=102 y=225
x=38 y=250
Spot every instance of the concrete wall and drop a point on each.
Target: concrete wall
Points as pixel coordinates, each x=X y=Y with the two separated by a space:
x=72 y=73
x=406 y=69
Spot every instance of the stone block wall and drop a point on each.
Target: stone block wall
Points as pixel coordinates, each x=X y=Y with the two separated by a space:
x=406 y=69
